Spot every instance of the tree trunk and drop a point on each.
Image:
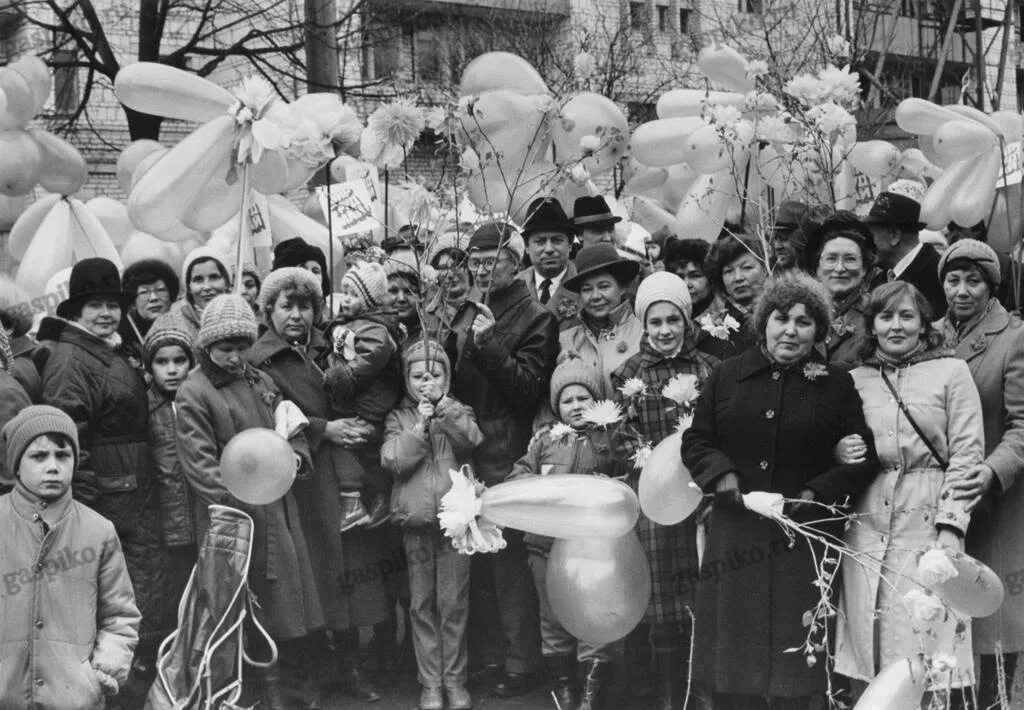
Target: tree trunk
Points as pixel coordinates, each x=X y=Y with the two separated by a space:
x=142 y=125
x=322 y=71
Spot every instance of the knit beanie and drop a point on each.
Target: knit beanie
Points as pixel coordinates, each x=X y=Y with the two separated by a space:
x=167 y=329
x=572 y=370
x=31 y=423
x=977 y=252
x=370 y=281
x=420 y=351
x=288 y=277
x=662 y=286
x=226 y=316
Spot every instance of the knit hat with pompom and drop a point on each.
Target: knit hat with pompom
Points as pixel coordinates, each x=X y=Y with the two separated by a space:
x=573 y=370
x=370 y=281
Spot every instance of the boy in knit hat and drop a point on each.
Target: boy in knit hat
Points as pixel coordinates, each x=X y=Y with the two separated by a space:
x=167 y=355
x=363 y=379
x=428 y=434
x=60 y=559
x=571 y=445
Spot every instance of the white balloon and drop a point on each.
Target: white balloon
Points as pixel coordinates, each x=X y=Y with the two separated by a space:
x=27 y=225
x=113 y=215
x=660 y=143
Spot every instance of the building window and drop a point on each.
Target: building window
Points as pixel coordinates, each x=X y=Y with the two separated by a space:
x=65 y=82
x=428 y=60
x=750 y=6
x=663 y=21
x=908 y=8
x=684 y=20
x=637 y=15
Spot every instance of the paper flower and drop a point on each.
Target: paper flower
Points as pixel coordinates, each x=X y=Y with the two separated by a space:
x=684 y=423
x=804 y=87
x=831 y=118
x=584 y=64
x=633 y=387
x=398 y=124
x=640 y=456
x=924 y=606
x=589 y=143
x=935 y=567
x=578 y=174
x=435 y=118
x=560 y=431
x=469 y=160
x=814 y=370
x=838 y=46
x=459 y=516
x=603 y=413
x=258 y=131
x=775 y=129
x=763 y=503
x=718 y=327
x=681 y=389
x=839 y=85
x=722 y=115
x=756 y=68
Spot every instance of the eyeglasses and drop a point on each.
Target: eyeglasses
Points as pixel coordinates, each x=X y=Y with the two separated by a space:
x=474 y=264
x=850 y=262
x=161 y=292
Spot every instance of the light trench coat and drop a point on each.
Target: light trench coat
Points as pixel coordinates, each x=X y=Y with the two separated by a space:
x=897 y=516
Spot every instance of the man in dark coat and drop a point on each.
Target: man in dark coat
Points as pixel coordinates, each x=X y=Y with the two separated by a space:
x=505 y=349
x=894 y=222
x=549 y=235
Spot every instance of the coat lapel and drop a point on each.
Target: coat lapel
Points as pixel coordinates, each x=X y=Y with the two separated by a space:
x=978 y=342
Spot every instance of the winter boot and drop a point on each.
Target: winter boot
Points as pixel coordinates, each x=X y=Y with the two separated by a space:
x=353 y=512
x=561 y=671
x=353 y=681
x=597 y=680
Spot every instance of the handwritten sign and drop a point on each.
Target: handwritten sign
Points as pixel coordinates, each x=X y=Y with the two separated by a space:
x=1012 y=172
x=259 y=221
x=350 y=207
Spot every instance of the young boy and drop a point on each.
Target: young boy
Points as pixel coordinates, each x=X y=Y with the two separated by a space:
x=570 y=446
x=70 y=621
x=168 y=355
x=430 y=433
x=363 y=378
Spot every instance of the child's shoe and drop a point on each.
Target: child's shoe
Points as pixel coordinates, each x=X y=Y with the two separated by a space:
x=380 y=511
x=353 y=512
x=431 y=699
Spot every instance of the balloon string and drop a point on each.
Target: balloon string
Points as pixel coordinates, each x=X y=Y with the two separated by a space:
x=81 y=227
x=243 y=215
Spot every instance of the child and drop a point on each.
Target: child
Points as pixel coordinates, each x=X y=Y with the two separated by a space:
x=363 y=379
x=430 y=433
x=167 y=356
x=70 y=620
x=570 y=446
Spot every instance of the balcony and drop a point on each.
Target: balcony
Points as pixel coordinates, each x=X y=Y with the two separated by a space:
x=559 y=8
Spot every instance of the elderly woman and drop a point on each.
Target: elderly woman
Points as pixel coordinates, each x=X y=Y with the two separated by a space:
x=924 y=411
x=737 y=267
x=291 y=303
x=841 y=253
x=608 y=333
x=666 y=351
x=992 y=342
x=205 y=278
x=87 y=377
x=768 y=420
x=151 y=286
x=223 y=396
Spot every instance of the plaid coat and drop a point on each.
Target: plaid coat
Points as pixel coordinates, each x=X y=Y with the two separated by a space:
x=672 y=549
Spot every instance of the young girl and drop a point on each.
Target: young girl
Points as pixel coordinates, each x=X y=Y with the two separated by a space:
x=430 y=433
x=60 y=560
x=572 y=446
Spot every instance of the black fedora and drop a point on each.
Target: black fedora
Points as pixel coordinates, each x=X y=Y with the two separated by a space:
x=601 y=257
x=92 y=278
x=592 y=212
x=895 y=210
x=545 y=214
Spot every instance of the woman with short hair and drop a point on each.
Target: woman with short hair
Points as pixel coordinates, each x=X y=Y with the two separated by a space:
x=738 y=269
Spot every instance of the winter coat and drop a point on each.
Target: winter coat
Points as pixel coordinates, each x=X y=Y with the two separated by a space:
x=193 y=318
x=24 y=369
x=564 y=305
x=607 y=350
x=899 y=512
x=923 y=273
x=994 y=351
x=12 y=400
x=507 y=379
x=213 y=406
x=177 y=504
x=130 y=329
x=107 y=400
x=671 y=549
x=775 y=429
x=420 y=460
x=368 y=385
x=333 y=556
x=68 y=607
x=847 y=332
x=737 y=340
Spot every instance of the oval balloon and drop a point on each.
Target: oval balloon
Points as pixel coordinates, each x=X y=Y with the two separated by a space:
x=63 y=168
x=270 y=175
x=660 y=143
x=88 y=237
x=11 y=208
x=922 y=117
x=286 y=221
x=257 y=466
x=899 y=686
x=1010 y=123
x=679 y=103
x=507 y=129
x=140 y=245
x=874 y=158
x=20 y=101
x=563 y=506
x=962 y=140
x=130 y=158
x=162 y=90
x=976 y=590
x=936 y=203
x=50 y=248
x=702 y=212
x=590 y=116
x=27 y=224
x=726 y=66
x=501 y=70
x=37 y=74
x=665 y=491
x=214 y=206
x=972 y=200
x=21 y=164
x=113 y=215
x=975 y=115
x=144 y=165
x=706 y=150
x=598 y=588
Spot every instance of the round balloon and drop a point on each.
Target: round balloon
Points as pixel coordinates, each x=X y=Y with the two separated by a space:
x=591 y=127
x=598 y=588
x=257 y=466
x=113 y=215
x=898 y=686
x=666 y=491
x=508 y=130
x=975 y=591
x=10 y=209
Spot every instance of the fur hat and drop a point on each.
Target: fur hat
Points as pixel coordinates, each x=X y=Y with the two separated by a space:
x=226 y=316
x=662 y=286
x=297 y=252
x=370 y=281
x=289 y=277
x=31 y=423
x=419 y=351
x=976 y=252
x=167 y=329
x=573 y=370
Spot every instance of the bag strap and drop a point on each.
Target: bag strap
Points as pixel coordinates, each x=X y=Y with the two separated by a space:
x=906 y=412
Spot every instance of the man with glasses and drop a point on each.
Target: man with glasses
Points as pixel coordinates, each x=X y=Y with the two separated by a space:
x=152 y=286
x=549 y=235
x=506 y=344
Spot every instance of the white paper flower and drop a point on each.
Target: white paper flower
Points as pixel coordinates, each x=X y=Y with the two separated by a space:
x=434 y=118
x=589 y=143
x=603 y=413
x=839 y=85
x=579 y=174
x=756 y=68
x=560 y=431
x=254 y=93
x=775 y=129
x=584 y=64
x=722 y=115
x=397 y=124
x=469 y=160
x=935 y=567
x=459 y=517
x=838 y=46
x=640 y=456
x=681 y=389
x=831 y=118
x=763 y=503
x=684 y=423
x=943 y=662
x=804 y=87
x=924 y=606
x=633 y=387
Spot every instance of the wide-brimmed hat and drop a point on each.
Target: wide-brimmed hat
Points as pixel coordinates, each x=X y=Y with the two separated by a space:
x=896 y=211
x=92 y=278
x=601 y=257
x=592 y=212
x=545 y=214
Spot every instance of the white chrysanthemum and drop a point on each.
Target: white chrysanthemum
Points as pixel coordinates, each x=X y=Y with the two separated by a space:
x=373 y=150
x=722 y=115
x=684 y=423
x=839 y=46
x=560 y=431
x=804 y=87
x=831 y=118
x=681 y=389
x=633 y=387
x=603 y=413
x=935 y=567
x=640 y=456
x=775 y=129
x=839 y=85
x=397 y=124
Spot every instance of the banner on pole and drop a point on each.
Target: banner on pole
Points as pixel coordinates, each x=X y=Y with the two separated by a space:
x=350 y=206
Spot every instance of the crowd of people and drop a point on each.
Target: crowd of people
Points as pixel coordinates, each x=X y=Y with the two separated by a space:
x=840 y=361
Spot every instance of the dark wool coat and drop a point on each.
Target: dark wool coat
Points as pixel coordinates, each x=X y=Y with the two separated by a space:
x=776 y=430
x=334 y=556
x=177 y=504
x=24 y=369
x=106 y=398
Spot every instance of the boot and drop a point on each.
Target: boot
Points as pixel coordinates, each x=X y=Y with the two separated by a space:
x=561 y=672
x=667 y=671
x=272 y=699
x=596 y=681
x=352 y=680
x=353 y=512
x=380 y=511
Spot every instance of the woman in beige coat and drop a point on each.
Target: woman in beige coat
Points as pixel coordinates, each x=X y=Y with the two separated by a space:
x=992 y=342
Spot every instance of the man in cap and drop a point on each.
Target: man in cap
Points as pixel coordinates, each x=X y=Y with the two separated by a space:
x=549 y=234
x=895 y=222
x=594 y=221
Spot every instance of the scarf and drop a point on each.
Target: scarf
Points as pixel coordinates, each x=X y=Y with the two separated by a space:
x=954 y=333
x=895 y=362
x=113 y=341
